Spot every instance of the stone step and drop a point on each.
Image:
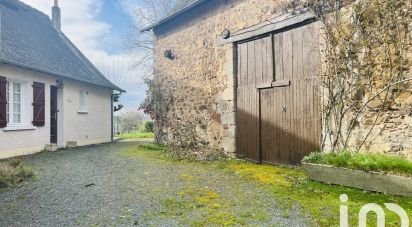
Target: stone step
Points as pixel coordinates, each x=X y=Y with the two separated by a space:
x=51 y=147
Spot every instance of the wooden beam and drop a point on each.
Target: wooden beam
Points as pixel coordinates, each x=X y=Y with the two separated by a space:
x=275 y=24
x=281 y=83
x=264 y=85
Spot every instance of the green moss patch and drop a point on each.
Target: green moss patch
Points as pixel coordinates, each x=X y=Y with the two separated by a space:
x=146 y=150
x=197 y=205
x=320 y=201
x=206 y=207
x=391 y=164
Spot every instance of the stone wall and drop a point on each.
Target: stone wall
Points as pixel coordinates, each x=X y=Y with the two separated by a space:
x=379 y=56
x=391 y=129
x=198 y=84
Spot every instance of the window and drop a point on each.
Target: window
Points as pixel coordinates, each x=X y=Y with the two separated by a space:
x=83 y=101
x=14 y=103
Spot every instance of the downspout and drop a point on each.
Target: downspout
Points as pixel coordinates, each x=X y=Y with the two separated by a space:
x=235 y=86
x=112 y=117
x=112 y=112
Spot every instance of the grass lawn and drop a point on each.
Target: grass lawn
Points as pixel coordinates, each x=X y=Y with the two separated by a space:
x=364 y=161
x=288 y=185
x=137 y=135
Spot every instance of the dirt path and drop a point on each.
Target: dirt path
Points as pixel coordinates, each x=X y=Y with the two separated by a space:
x=106 y=186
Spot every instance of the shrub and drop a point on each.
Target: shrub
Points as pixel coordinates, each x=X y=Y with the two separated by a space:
x=363 y=161
x=13 y=173
x=148 y=126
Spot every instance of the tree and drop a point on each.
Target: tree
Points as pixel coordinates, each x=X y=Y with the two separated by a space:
x=148 y=126
x=154 y=105
x=130 y=121
x=141 y=44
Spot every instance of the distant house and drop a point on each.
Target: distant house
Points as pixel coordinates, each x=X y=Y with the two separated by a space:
x=51 y=96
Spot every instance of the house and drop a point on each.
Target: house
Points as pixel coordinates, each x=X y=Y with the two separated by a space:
x=51 y=96
x=240 y=76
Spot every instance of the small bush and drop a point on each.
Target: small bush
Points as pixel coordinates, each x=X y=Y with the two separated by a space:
x=363 y=161
x=148 y=126
x=12 y=173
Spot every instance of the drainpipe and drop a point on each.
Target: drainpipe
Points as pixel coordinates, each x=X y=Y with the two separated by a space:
x=112 y=113
x=235 y=85
x=112 y=118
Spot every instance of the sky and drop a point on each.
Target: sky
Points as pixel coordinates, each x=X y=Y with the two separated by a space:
x=101 y=29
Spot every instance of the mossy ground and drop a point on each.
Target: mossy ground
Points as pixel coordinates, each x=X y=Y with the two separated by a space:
x=201 y=201
x=320 y=201
x=288 y=186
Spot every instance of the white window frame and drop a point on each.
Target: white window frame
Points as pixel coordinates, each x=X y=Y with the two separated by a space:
x=11 y=102
x=25 y=104
x=83 y=94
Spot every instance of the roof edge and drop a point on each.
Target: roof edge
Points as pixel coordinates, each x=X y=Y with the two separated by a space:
x=90 y=64
x=172 y=16
x=114 y=87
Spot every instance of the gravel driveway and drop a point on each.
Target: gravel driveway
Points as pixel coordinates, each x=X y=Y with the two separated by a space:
x=98 y=186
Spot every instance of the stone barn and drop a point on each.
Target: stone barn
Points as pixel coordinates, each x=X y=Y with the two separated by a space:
x=240 y=77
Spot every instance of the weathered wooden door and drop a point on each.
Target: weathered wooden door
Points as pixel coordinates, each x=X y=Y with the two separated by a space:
x=278 y=111
x=255 y=67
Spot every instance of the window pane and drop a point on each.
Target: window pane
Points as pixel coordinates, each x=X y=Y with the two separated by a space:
x=16 y=108
x=16 y=118
x=16 y=87
x=82 y=100
x=14 y=104
x=16 y=97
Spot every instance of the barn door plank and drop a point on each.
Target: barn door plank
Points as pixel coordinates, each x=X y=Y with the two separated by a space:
x=278 y=49
x=259 y=60
x=251 y=68
x=287 y=55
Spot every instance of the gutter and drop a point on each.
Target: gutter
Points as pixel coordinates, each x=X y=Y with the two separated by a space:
x=172 y=16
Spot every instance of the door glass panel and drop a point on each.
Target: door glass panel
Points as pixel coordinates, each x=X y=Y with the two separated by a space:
x=16 y=118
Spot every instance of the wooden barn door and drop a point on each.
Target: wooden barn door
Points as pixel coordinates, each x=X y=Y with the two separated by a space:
x=278 y=113
x=255 y=67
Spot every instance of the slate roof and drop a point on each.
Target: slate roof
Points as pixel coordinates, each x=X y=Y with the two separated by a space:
x=182 y=7
x=29 y=40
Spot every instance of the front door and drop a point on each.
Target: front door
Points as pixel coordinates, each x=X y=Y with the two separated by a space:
x=53 y=114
